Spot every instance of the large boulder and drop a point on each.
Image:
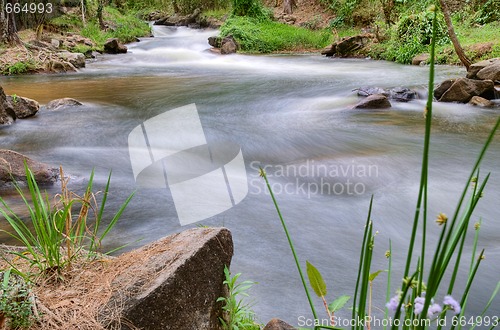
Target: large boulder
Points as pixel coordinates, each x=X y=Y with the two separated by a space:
x=490 y=72
x=476 y=67
x=62 y=103
x=443 y=87
x=347 y=45
x=77 y=59
x=12 y=168
x=7 y=115
x=61 y=66
x=23 y=107
x=376 y=101
x=463 y=89
x=173 y=283
x=113 y=46
x=277 y=324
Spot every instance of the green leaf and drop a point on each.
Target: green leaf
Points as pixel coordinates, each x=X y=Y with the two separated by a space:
x=316 y=280
x=374 y=275
x=338 y=303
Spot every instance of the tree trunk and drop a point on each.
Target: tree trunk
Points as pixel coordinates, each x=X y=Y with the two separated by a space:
x=288 y=6
x=8 y=30
x=100 y=7
x=451 y=33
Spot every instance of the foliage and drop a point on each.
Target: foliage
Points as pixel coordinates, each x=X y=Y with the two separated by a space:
x=189 y=6
x=343 y=13
x=489 y=12
x=269 y=36
x=414 y=301
x=237 y=314
x=15 y=304
x=57 y=234
x=19 y=67
x=250 y=8
x=418 y=28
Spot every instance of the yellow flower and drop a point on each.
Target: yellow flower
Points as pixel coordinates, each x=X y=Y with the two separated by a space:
x=441 y=219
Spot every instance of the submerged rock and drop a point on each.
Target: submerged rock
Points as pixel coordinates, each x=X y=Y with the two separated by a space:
x=174 y=283
x=403 y=94
x=12 y=169
x=376 y=101
x=61 y=103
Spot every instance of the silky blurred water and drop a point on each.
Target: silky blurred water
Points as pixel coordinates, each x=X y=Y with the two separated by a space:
x=291 y=115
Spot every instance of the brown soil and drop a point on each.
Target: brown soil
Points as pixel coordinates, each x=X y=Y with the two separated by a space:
x=307 y=12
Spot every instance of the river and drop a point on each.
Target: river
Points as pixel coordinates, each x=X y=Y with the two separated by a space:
x=292 y=115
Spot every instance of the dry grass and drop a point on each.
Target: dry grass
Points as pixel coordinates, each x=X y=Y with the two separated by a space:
x=75 y=300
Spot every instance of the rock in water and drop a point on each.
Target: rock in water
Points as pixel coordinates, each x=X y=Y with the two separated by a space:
x=174 y=283
x=490 y=72
x=61 y=103
x=481 y=102
x=23 y=107
x=228 y=45
x=443 y=87
x=113 y=46
x=12 y=168
x=476 y=67
x=463 y=89
x=376 y=101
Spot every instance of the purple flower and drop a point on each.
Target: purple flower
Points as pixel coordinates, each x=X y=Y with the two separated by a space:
x=418 y=305
x=393 y=303
x=433 y=310
x=452 y=304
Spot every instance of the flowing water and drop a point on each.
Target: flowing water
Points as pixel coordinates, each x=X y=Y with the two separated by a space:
x=291 y=115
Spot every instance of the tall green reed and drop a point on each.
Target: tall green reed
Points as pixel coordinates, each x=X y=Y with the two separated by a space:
x=55 y=234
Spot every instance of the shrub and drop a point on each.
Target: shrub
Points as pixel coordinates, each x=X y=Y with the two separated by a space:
x=250 y=8
x=489 y=12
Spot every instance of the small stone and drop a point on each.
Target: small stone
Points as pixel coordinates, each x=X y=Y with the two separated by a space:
x=376 y=101
x=481 y=102
x=277 y=324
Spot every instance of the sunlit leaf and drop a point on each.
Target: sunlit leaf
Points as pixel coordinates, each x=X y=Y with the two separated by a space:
x=316 y=280
x=338 y=303
x=374 y=275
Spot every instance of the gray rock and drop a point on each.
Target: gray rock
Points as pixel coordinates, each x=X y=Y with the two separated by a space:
x=277 y=324
x=23 y=107
x=175 y=283
x=55 y=43
x=61 y=103
x=403 y=94
x=476 y=67
x=376 y=101
x=421 y=59
x=481 y=102
x=443 y=87
x=76 y=59
x=490 y=72
x=214 y=41
x=463 y=89
x=367 y=91
x=12 y=168
x=228 y=45
x=113 y=46
x=7 y=115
